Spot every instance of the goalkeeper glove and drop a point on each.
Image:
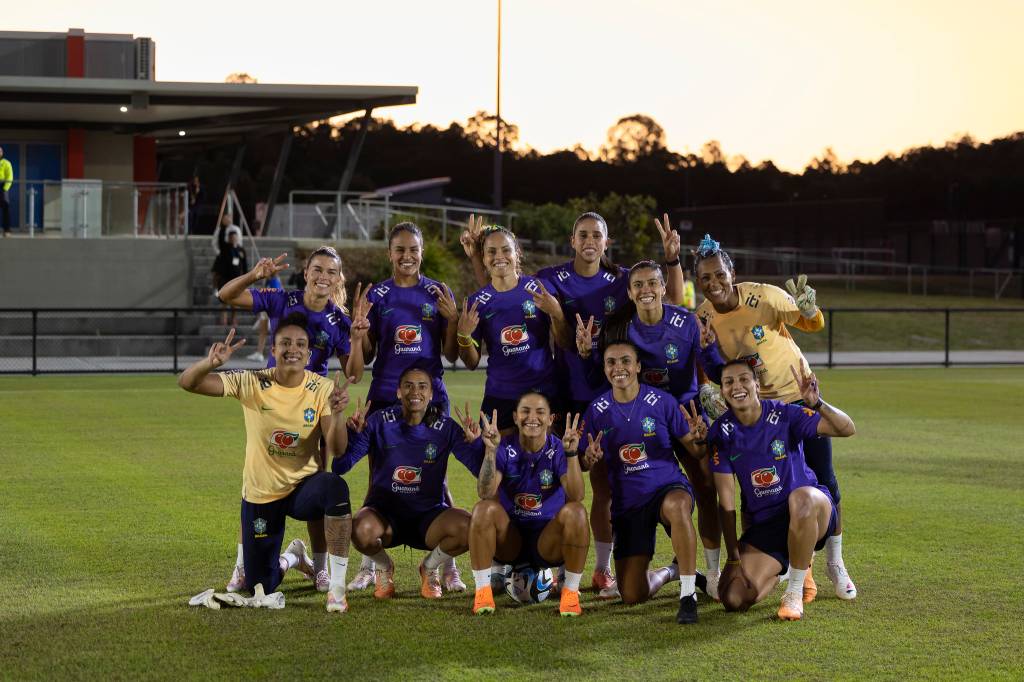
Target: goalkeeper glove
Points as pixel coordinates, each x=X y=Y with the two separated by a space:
x=803 y=295
x=712 y=402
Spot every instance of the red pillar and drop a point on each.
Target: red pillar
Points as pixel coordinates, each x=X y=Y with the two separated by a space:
x=76 y=153
x=75 y=68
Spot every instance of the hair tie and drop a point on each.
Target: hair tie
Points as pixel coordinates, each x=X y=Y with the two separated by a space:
x=707 y=247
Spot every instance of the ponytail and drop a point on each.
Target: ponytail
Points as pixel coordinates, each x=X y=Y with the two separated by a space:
x=606 y=261
x=616 y=326
x=338 y=295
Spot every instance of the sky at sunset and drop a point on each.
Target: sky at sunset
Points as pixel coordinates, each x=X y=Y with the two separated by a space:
x=780 y=80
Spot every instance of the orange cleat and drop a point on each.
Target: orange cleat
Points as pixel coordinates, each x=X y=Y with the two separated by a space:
x=483 y=602
x=384 y=580
x=792 y=607
x=810 y=587
x=569 y=604
x=430 y=584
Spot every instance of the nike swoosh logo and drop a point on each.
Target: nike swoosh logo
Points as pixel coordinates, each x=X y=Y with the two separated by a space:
x=733 y=458
x=264 y=408
x=390 y=447
x=386 y=311
x=490 y=315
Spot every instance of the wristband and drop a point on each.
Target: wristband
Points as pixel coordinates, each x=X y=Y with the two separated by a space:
x=572 y=453
x=730 y=562
x=818 y=406
x=472 y=341
x=672 y=263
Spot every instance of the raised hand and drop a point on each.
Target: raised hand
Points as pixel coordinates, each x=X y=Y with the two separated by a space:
x=707 y=333
x=670 y=241
x=474 y=226
x=357 y=422
x=712 y=401
x=220 y=352
x=808 y=385
x=339 y=396
x=267 y=267
x=584 y=336
x=491 y=435
x=470 y=426
x=573 y=433
x=470 y=318
x=805 y=296
x=546 y=301
x=694 y=420
x=594 y=453
x=446 y=302
x=361 y=307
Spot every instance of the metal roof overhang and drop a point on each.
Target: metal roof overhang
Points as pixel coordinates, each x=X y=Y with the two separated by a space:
x=161 y=109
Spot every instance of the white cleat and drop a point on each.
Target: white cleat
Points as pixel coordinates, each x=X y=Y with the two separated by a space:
x=712 y=590
x=304 y=565
x=452 y=580
x=845 y=589
x=237 y=582
x=337 y=602
x=362 y=580
x=609 y=592
x=792 y=607
x=322 y=580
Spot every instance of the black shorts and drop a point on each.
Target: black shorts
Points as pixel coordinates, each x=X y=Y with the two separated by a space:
x=818 y=455
x=408 y=527
x=772 y=536
x=263 y=524
x=636 y=529
x=506 y=407
x=528 y=553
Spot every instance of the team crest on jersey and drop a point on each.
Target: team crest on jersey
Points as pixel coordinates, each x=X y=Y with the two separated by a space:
x=609 y=305
x=547 y=478
x=529 y=310
x=758 y=334
x=408 y=334
x=779 y=449
x=259 y=527
x=322 y=339
x=514 y=335
x=765 y=477
x=671 y=352
x=308 y=415
x=632 y=453
x=428 y=311
x=430 y=453
x=528 y=502
x=654 y=376
x=648 y=426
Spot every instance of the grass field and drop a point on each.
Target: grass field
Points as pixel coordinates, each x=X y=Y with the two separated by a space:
x=118 y=500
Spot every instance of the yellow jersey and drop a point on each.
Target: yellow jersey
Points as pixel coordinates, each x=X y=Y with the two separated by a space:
x=756 y=330
x=282 y=430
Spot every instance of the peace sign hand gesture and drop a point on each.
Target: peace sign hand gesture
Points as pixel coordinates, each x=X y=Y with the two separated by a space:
x=546 y=301
x=470 y=318
x=698 y=427
x=808 y=385
x=221 y=352
x=491 y=435
x=470 y=426
x=361 y=307
x=573 y=432
x=474 y=226
x=357 y=422
x=804 y=296
x=670 y=240
x=446 y=302
x=267 y=267
x=707 y=333
x=584 y=336
x=594 y=453
x=339 y=396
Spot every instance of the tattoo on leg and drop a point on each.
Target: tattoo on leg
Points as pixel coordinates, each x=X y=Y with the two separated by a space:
x=339 y=534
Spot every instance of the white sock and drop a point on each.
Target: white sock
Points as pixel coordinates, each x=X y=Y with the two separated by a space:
x=673 y=571
x=435 y=559
x=482 y=578
x=288 y=560
x=239 y=561
x=366 y=564
x=833 y=549
x=497 y=568
x=783 y=577
x=712 y=557
x=381 y=558
x=319 y=561
x=339 y=567
x=687 y=586
x=604 y=556
x=572 y=581
x=796 y=580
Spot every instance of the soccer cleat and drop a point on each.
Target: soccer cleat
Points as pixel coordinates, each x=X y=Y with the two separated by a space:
x=712 y=585
x=237 y=582
x=687 y=614
x=297 y=548
x=362 y=580
x=498 y=578
x=322 y=580
x=430 y=586
x=452 y=579
x=483 y=601
x=609 y=592
x=792 y=607
x=569 y=604
x=384 y=580
x=337 y=602
x=845 y=589
x=603 y=579
x=810 y=587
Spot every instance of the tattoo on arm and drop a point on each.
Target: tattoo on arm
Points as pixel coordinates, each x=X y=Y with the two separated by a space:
x=486 y=479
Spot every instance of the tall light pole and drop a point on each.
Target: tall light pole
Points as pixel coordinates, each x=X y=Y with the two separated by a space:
x=497 y=146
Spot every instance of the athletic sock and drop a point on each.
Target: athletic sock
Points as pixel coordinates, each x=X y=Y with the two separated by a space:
x=604 y=556
x=381 y=558
x=435 y=559
x=673 y=572
x=366 y=564
x=712 y=557
x=796 y=580
x=319 y=561
x=572 y=581
x=339 y=567
x=288 y=561
x=833 y=549
x=657 y=578
x=482 y=578
x=239 y=561
x=687 y=586
x=498 y=568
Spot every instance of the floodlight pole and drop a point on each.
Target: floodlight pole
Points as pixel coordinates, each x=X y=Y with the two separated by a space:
x=497 y=146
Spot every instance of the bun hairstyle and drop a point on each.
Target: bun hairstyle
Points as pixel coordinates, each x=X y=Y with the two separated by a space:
x=338 y=296
x=406 y=226
x=709 y=248
x=295 y=319
x=606 y=261
x=487 y=231
x=616 y=327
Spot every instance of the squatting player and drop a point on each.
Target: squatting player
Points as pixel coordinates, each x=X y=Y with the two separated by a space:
x=287 y=409
x=760 y=442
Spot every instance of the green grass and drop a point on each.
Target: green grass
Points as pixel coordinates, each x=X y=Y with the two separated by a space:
x=119 y=500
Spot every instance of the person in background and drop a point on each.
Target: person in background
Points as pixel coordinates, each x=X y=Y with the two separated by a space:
x=222 y=234
x=6 y=180
x=689 y=294
x=195 y=192
x=230 y=263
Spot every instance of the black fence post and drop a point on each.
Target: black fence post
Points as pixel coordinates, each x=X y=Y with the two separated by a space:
x=175 y=323
x=35 y=325
x=830 y=318
x=946 y=363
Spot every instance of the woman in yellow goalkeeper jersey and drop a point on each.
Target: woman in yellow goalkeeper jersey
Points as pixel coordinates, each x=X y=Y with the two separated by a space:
x=748 y=320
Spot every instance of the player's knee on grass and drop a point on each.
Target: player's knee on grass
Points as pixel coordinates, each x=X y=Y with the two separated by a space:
x=367 y=532
x=736 y=594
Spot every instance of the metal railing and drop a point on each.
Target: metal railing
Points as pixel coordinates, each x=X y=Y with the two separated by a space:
x=154 y=340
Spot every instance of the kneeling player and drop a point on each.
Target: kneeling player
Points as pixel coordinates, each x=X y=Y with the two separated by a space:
x=792 y=515
x=630 y=431
x=286 y=408
x=530 y=510
x=409 y=444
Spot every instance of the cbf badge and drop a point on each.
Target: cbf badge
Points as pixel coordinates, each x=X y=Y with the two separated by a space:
x=529 y=309
x=308 y=415
x=758 y=334
x=648 y=426
x=428 y=311
x=259 y=526
x=779 y=449
x=430 y=454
